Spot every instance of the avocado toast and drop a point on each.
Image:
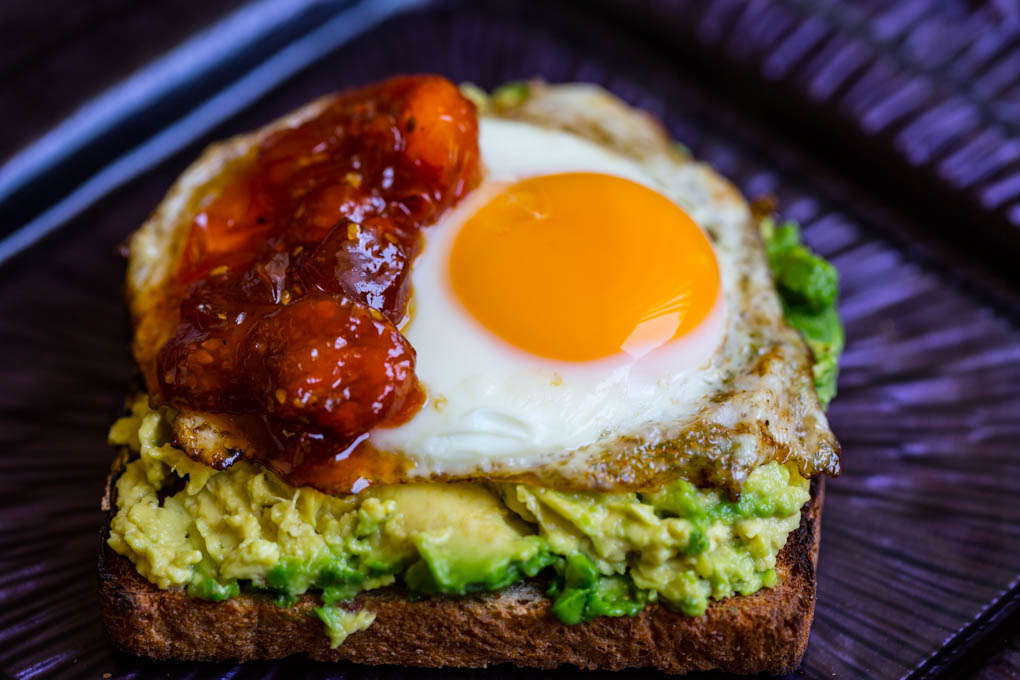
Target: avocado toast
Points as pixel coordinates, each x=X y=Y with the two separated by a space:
x=211 y=554
x=766 y=632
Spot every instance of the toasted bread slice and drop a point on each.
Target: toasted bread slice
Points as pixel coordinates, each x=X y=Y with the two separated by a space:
x=764 y=632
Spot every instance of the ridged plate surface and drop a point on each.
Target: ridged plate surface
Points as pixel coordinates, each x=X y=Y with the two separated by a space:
x=935 y=84
x=921 y=534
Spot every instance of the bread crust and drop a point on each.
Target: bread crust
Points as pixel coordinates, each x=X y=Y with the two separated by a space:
x=764 y=632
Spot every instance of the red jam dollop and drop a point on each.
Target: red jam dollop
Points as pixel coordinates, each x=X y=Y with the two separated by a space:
x=294 y=279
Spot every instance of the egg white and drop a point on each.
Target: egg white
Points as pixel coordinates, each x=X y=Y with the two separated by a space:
x=490 y=403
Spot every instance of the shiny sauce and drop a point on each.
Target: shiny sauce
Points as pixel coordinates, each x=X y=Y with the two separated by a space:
x=294 y=279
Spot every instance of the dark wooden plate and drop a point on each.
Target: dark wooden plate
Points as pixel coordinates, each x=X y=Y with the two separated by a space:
x=921 y=535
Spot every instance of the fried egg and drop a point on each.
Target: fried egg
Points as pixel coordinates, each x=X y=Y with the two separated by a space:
x=597 y=314
x=566 y=297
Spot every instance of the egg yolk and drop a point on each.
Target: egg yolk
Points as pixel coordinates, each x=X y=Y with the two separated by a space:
x=580 y=266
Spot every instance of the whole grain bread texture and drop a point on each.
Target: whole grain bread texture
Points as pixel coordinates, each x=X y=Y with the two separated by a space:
x=766 y=632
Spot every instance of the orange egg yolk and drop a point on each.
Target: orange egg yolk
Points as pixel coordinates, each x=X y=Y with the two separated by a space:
x=580 y=266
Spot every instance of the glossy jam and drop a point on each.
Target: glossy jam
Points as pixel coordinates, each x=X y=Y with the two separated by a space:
x=294 y=279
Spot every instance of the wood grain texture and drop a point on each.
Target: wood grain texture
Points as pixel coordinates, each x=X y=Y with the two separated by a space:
x=921 y=533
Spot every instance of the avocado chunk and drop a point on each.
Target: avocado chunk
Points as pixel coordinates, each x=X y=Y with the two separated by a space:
x=581 y=593
x=451 y=565
x=205 y=586
x=340 y=623
x=467 y=542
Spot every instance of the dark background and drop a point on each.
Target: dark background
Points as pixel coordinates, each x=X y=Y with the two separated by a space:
x=890 y=129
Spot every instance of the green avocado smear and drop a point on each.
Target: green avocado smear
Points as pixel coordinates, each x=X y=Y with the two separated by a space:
x=218 y=533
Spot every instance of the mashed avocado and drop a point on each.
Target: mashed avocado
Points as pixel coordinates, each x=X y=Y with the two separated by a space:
x=340 y=623
x=680 y=544
x=216 y=533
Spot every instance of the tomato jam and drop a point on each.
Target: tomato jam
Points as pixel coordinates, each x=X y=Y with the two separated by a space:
x=294 y=279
